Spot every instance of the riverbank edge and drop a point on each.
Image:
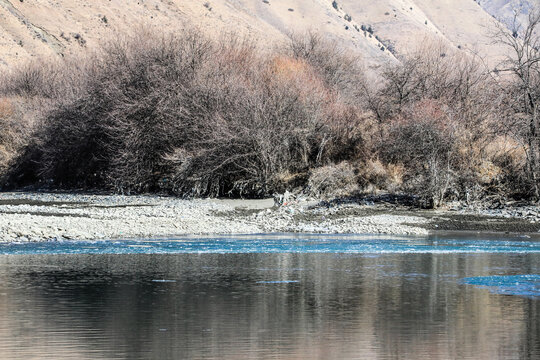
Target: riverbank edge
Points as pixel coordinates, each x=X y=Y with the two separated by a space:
x=46 y=216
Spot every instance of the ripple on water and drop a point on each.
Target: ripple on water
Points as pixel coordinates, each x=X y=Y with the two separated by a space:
x=282 y=243
x=521 y=285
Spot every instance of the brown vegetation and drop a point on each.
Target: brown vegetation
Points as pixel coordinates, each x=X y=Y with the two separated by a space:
x=521 y=78
x=187 y=115
x=192 y=116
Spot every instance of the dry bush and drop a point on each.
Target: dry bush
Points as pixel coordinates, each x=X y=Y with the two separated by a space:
x=423 y=141
x=339 y=70
x=434 y=71
x=192 y=116
x=32 y=79
x=6 y=132
x=184 y=114
x=436 y=113
x=519 y=75
x=374 y=175
x=7 y=109
x=505 y=173
x=336 y=180
x=16 y=126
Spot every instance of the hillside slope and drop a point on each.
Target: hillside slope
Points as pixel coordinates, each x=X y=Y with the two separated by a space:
x=33 y=28
x=508 y=10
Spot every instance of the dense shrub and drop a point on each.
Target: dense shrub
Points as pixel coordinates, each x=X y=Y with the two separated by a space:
x=338 y=68
x=426 y=146
x=192 y=116
x=333 y=181
x=437 y=114
x=16 y=118
x=374 y=176
x=187 y=115
x=7 y=140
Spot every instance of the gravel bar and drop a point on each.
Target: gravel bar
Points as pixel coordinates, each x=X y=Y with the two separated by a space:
x=41 y=216
x=36 y=216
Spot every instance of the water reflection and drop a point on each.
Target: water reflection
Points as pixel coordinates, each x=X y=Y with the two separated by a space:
x=264 y=306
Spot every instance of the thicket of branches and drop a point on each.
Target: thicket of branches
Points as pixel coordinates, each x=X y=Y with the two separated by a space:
x=188 y=115
x=192 y=116
x=438 y=115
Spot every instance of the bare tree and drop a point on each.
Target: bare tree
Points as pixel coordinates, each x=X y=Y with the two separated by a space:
x=523 y=65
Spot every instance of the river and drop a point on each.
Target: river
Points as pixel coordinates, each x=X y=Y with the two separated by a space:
x=272 y=297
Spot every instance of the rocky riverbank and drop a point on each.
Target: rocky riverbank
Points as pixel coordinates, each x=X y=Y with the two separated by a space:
x=48 y=216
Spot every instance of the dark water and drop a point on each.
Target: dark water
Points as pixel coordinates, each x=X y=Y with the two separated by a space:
x=269 y=297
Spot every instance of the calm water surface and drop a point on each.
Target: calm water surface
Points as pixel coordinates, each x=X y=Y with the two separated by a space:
x=272 y=297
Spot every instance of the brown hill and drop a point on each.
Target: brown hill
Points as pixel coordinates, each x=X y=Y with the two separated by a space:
x=378 y=30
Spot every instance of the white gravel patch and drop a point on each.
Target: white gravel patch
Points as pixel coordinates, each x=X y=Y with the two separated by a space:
x=282 y=220
x=45 y=216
